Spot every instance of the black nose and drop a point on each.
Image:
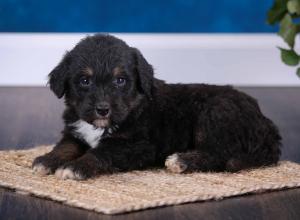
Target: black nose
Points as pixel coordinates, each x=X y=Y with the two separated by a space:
x=102 y=109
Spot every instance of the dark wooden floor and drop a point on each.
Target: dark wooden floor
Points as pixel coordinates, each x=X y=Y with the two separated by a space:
x=31 y=116
x=276 y=205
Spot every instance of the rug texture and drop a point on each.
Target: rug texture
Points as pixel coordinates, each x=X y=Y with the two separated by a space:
x=125 y=192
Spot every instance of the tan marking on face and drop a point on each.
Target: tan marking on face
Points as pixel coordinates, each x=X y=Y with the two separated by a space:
x=88 y=71
x=117 y=71
x=101 y=123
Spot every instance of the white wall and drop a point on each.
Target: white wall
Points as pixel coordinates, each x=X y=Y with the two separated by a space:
x=241 y=59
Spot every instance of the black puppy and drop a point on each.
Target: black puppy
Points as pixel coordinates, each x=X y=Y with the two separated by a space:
x=118 y=117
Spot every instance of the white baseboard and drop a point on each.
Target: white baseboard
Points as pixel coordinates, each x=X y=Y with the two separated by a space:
x=237 y=59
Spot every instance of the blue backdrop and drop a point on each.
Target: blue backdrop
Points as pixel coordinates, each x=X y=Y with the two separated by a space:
x=135 y=16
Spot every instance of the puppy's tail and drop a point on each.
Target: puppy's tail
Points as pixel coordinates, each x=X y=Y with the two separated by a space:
x=267 y=152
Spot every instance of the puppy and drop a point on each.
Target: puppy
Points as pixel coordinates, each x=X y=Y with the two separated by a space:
x=118 y=117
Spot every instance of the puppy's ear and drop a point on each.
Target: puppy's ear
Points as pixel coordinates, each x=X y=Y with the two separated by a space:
x=144 y=73
x=58 y=76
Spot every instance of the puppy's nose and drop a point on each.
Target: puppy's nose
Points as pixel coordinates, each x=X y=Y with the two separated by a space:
x=102 y=109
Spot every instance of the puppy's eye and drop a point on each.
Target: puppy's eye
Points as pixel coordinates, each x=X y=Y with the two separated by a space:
x=120 y=81
x=84 y=81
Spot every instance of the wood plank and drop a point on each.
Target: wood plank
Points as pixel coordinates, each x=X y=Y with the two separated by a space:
x=274 y=205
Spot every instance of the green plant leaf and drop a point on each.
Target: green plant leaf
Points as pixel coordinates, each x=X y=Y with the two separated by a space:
x=293 y=7
x=289 y=57
x=277 y=11
x=298 y=72
x=288 y=30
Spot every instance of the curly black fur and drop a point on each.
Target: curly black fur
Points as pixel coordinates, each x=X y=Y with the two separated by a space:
x=211 y=128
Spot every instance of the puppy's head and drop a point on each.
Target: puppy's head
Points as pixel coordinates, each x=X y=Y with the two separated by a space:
x=103 y=80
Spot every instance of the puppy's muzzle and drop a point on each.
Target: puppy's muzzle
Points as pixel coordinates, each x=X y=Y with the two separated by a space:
x=102 y=109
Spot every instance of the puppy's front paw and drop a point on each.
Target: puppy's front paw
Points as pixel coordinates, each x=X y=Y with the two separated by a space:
x=85 y=167
x=175 y=164
x=41 y=169
x=46 y=164
x=68 y=173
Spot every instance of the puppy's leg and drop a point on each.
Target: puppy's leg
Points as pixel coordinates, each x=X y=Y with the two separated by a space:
x=83 y=167
x=245 y=161
x=192 y=161
x=110 y=156
x=66 y=150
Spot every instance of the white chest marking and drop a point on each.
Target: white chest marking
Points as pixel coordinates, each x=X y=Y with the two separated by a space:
x=87 y=132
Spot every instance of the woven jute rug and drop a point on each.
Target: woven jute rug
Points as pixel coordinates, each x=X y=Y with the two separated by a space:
x=125 y=192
